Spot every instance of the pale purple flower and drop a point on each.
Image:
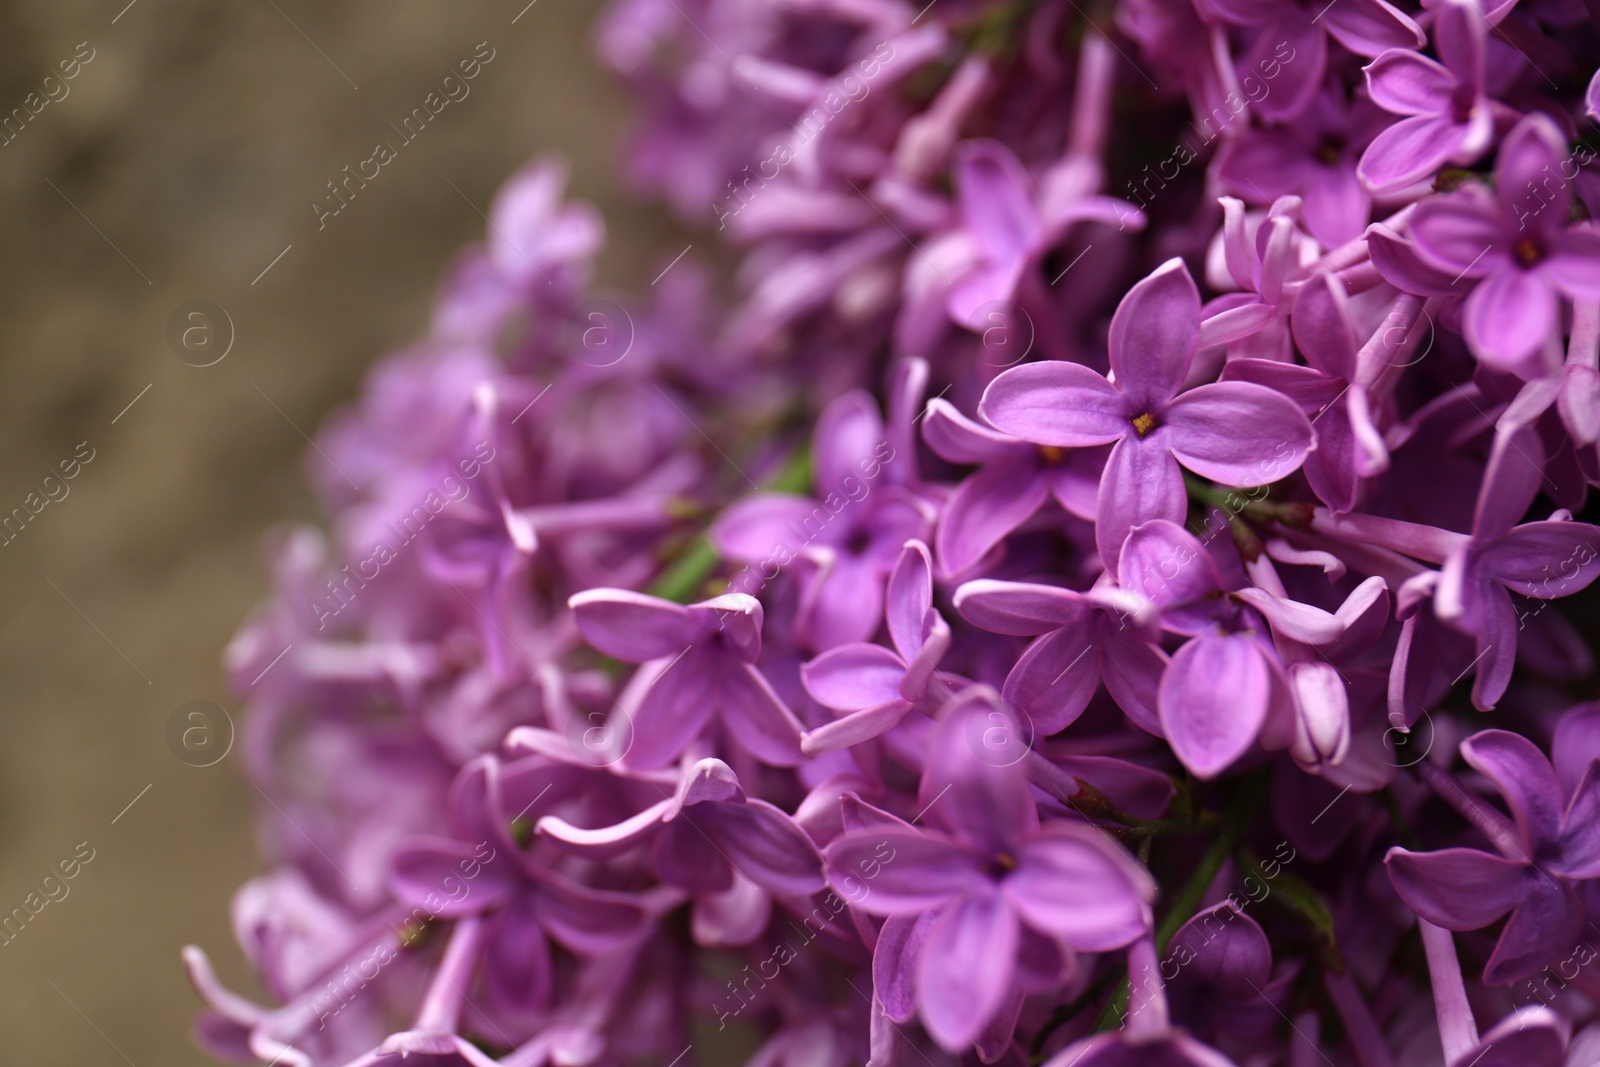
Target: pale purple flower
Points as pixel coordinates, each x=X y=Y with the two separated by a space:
x=874 y=687
x=1234 y=433
x=963 y=896
x=1364 y=27
x=699 y=667
x=1014 y=479
x=1447 y=116
x=1516 y=244
x=1312 y=156
x=1551 y=847
x=845 y=540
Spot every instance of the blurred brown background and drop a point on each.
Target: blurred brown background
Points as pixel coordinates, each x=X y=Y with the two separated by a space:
x=184 y=158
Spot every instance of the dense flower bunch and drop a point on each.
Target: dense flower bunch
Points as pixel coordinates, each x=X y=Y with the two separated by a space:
x=1031 y=621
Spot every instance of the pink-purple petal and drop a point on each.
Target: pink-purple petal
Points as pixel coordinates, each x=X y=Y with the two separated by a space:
x=1238 y=434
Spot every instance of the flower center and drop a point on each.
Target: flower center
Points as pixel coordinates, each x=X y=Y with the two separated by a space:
x=1144 y=424
x=1330 y=150
x=1000 y=865
x=1528 y=251
x=1052 y=454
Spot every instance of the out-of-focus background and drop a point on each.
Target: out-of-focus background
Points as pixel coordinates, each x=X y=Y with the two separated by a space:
x=180 y=164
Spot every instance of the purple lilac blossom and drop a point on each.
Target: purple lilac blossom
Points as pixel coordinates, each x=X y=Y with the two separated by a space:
x=1092 y=588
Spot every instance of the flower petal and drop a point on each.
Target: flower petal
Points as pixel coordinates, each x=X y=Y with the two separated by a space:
x=1142 y=483
x=848 y=432
x=1405 y=83
x=1072 y=882
x=1458 y=888
x=1132 y=669
x=1153 y=334
x=894 y=963
x=1237 y=433
x=756 y=716
x=854 y=728
x=1321 y=327
x=516 y=959
x=1167 y=565
x=993 y=191
x=1539 y=932
x=1573 y=263
x=664 y=706
x=633 y=627
x=1408 y=151
x=955 y=437
x=985 y=507
x=1580 y=845
x=1368 y=27
x=1545 y=559
x=966 y=968
x=1529 y=157
x=1054 y=679
x=763 y=526
x=900 y=870
x=767 y=847
x=1463 y=233
x=1056 y=403
x=1524 y=777
x=852 y=677
x=1510 y=316
x=1223 y=946
x=1214 y=701
x=588 y=921
x=1021 y=609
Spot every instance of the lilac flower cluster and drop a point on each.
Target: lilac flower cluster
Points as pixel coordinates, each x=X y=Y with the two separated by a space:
x=1029 y=622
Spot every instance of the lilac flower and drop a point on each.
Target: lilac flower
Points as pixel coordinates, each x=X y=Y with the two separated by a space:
x=480 y=872
x=699 y=665
x=1551 y=847
x=1447 y=114
x=964 y=899
x=1231 y=637
x=848 y=540
x=874 y=686
x=1009 y=232
x=1313 y=157
x=1233 y=432
x=1261 y=255
x=1365 y=27
x=1517 y=244
x=1082 y=640
x=1472 y=590
x=982 y=652
x=712 y=839
x=1331 y=391
x=1014 y=479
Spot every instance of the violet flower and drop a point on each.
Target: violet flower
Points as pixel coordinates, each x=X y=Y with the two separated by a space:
x=1312 y=156
x=1551 y=847
x=1013 y=481
x=715 y=841
x=699 y=666
x=1234 y=433
x=964 y=899
x=1082 y=639
x=1516 y=244
x=875 y=687
x=1447 y=114
x=1364 y=27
